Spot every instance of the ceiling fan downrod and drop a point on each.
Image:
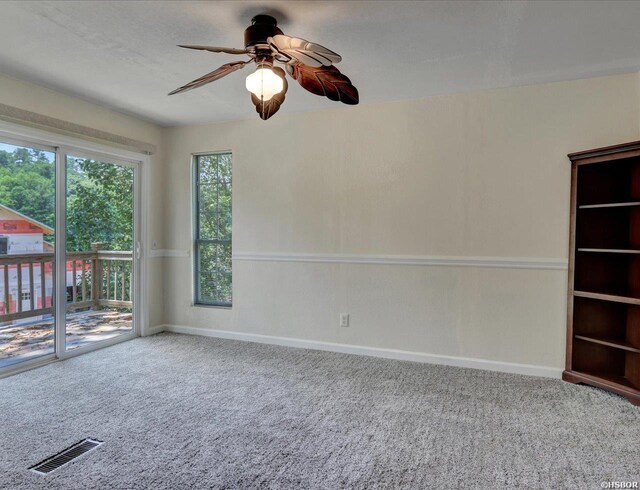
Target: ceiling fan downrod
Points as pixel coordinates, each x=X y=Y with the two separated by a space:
x=262 y=28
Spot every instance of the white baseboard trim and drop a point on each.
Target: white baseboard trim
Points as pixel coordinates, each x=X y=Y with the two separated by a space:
x=415 y=260
x=487 y=365
x=153 y=330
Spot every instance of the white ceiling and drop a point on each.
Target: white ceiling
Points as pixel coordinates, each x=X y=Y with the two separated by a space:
x=123 y=54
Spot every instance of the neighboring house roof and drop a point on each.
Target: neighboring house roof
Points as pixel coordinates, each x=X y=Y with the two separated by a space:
x=7 y=210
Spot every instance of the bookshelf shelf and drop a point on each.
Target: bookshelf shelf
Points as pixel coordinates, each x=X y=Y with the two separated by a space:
x=608 y=251
x=610 y=205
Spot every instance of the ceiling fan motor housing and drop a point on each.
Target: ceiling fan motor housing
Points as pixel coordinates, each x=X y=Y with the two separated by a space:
x=261 y=28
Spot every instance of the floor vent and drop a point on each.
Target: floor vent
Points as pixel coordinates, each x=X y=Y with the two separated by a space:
x=66 y=456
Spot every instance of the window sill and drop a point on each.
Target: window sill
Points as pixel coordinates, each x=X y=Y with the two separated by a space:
x=218 y=307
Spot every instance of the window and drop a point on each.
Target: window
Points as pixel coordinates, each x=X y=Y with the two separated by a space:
x=25 y=296
x=212 y=215
x=4 y=245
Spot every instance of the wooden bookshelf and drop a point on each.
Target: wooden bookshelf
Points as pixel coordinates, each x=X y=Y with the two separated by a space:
x=603 y=321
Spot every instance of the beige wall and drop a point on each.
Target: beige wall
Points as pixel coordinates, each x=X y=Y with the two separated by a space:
x=38 y=99
x=469 y=175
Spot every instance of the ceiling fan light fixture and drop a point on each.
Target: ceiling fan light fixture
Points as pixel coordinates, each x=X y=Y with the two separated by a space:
x=264 y=83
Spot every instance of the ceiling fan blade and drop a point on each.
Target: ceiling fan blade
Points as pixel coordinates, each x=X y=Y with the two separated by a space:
x=269 y=107
x=303 y=51
x=214 y=49
x=224 y=70
x=325 y=81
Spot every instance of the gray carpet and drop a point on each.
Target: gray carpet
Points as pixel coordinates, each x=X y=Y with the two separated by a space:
x=180 y=412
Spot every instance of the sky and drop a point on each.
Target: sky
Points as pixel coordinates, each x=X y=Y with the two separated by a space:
x=10 y=148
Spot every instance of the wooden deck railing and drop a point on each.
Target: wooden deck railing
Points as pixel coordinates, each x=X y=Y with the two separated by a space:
x=112 y=286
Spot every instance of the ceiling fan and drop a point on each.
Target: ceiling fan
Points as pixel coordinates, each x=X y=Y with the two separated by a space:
x=310 y=64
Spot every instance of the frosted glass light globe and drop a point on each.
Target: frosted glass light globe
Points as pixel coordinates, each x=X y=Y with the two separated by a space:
x=263 y=82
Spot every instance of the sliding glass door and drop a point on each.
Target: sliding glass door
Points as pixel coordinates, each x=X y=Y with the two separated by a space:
x=69 y=251
x=100 y=238
x=27 y=244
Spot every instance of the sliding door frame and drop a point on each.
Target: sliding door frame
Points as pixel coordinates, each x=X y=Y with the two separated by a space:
x=62 y=156
x=64 y=145
x=19 y=140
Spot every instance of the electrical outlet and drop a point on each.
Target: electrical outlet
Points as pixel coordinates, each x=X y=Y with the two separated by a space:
x=344 y=319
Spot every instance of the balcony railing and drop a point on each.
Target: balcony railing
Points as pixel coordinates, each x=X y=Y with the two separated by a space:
x=33 y=274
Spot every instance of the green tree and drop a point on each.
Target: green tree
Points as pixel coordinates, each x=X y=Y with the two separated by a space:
x=27 y=184
x=213 y=253
x=99 y=205
x=99 y=197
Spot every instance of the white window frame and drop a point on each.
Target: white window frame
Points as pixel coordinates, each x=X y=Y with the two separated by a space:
x=194 y=231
